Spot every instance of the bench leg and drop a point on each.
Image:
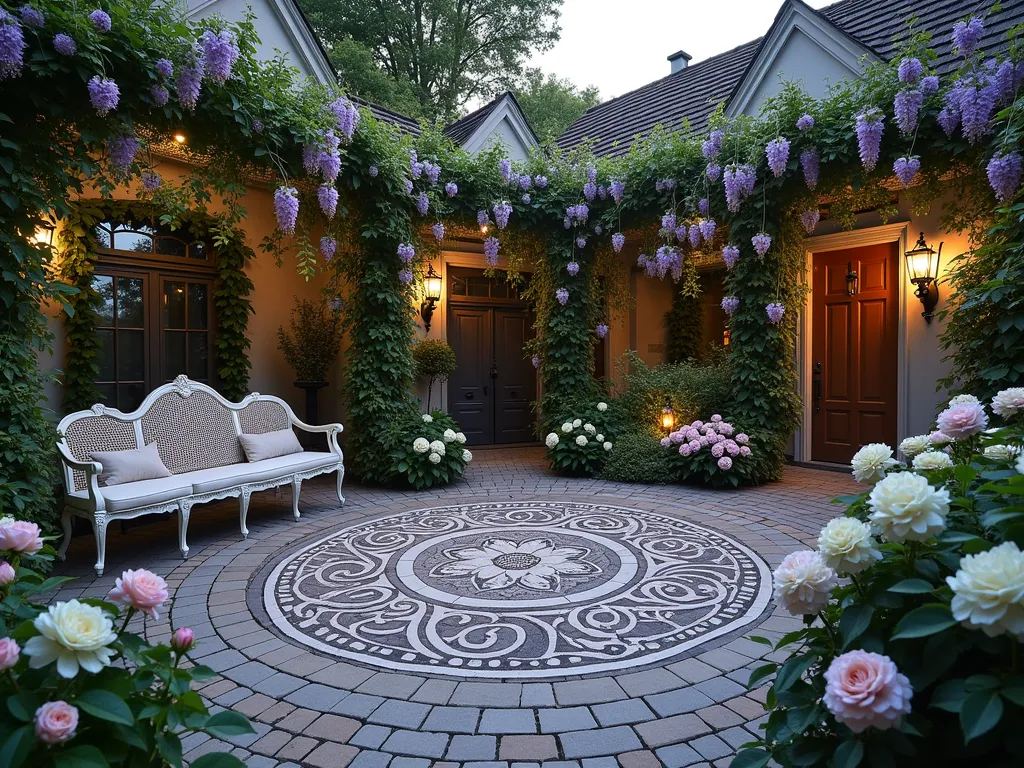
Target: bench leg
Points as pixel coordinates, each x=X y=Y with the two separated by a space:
x=296 y=486
x=243 y=510
x=99 y=527
x=184 y=511
x=65 y=521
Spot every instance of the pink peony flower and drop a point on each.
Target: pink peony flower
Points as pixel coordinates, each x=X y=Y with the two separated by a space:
x=142 y=590
x=10 y=652
x=937 y=438
x=6 y=574
x=183 y=639
x=725 y=463
x=866 y=690
x=20 y=536
x=55 y=722
x=963 y=420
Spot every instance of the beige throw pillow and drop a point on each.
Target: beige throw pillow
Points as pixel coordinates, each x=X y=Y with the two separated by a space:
x=130 y=466
x=270 y=444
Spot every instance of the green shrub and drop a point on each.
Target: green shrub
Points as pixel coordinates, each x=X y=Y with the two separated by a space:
x=314 y=341
x=580 y=444
x=433 y=360
x=427 y=450
x=684 y=325
x=637 y=457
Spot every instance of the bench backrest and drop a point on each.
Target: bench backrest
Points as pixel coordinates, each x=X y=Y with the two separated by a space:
x=192 y=425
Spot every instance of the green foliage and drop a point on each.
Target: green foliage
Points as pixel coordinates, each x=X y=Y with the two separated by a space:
x=233 y=307
x=365 y=78
x=684 y=325
x=637 y=457
x=314 y=342
x=968 y=689
x=580 y=443
x=552 y=104
x=433 y=360
x=415 y=438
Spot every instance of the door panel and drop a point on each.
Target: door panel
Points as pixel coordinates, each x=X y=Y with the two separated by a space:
x=516 y=384
x=854 y=351
x=470 y=334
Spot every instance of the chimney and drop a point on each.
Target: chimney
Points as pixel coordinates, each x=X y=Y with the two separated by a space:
x=679 y=60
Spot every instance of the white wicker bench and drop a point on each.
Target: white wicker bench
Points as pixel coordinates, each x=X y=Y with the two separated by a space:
x=196 y=432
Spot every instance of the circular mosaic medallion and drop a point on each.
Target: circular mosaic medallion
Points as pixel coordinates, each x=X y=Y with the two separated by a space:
x=516 y=589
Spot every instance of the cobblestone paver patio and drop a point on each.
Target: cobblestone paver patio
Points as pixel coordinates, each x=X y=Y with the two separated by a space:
x=312 y=708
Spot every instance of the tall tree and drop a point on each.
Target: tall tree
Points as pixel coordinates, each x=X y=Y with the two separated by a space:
x=449 y=50
x=552 y=104
x=362 y=76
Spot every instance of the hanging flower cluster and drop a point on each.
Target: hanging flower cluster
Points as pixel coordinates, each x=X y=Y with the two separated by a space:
x=809 y=219
x=286 y=208
x=328 y=247
x=804 y=123
x=666 y=261
x=12 y=46
x=618 y=241
x=1004 y=171
x=220 y=52
x=451 y=189
x=327 y=196
x=730 y=255
x=122 y=150
x=104 y=95
x=438 y=230
x=562 y=294
x=491 y=245
x=730 y=304
x=573 y=268
x=617 y=188
x=762 y=241
x=906 y=169
x=775 y=312
x=100 y=21
x=502 y=211
x=809 y=164
x=406 y=253
x=347 y=115
x=869 y=136
x=577 y=215
x=777 y=153
x=739 y=183
x=601 y=330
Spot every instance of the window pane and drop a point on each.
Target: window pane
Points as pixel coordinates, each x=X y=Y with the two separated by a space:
x=198 y=367
x=197 y=307
x=104 y=286
x=129 y=396
x=458 y=287
x=499 y=289
x=129 y=302
x=108 y=394
x=106 y=339
x=478 y=286
x=131 y=357
x=140 y=242
x=198 y=251
x=174 y=305
x=174 y=353
x=102 y=235
x=170 y=246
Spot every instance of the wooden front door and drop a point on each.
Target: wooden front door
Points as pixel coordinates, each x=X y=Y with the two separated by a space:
x=854 y=350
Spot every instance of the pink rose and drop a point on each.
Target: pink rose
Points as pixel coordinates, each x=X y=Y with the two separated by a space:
x=963 y=420
x=742 y=438
x=10 y=652
x=183 y=639
x=865 y=690
x=56 y=721
x=725 y=462
x=20 y=536
x=142 y=590
x=6 y=574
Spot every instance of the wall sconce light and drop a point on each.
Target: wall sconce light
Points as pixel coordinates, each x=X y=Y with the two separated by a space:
x=923 y=269
x=179 y=138
x=44 y=235
x=431 y=295
x=668 y=418
x=851 y=279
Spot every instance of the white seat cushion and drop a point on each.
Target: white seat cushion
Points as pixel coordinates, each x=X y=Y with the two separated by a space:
x=141 y=493
x=219 y=478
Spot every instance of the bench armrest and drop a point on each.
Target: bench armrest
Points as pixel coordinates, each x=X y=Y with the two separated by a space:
x=92 y=470
x=332 y=431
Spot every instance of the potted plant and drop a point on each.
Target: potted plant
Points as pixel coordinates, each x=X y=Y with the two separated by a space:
x=311 y=348
x=434 y=360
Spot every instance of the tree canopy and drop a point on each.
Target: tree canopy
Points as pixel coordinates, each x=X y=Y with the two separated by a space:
x=552 y=104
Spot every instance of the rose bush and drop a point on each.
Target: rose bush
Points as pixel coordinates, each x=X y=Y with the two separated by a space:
x=579 y=446
x=913 y=609
x=428 y=450
x=78 y=689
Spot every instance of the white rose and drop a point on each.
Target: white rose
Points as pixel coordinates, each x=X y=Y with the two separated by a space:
x=467 y=456
x=421 y=445
x=567 y=427
x=1008 y=402
x=1002 y=452
x=599 y=437
x=988 y=591
x=932 y=460
x=437 y=447
x=871 y=462
x=581 y=441
x=73 y=634
x=577 y=423
x=964 y=399
x=435 y=458
x=551 y=440
x=803 y=583
x=449 y=436
x=460 y=438
x=846 y=545
x=602 y=407
x=905 y=507
x=427 y=418
x=607 y=445
x=588 y=427
x=911 y=446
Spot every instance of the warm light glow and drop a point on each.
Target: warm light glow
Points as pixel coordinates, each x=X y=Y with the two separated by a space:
x=179 y=138
x=668 y=418
x=483 y=229
x=43 y=235
x=432 y=285
x=923 y=262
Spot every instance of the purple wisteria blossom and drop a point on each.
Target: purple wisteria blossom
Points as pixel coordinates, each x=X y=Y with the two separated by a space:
x=405 y=276
x=160 y=95
x=328 y=247
x=151 y=181
x=602 y=192
x=703 y=206
x=164 y=67
x=618 y=241
x=598 y=229
x=730 y=304
x=100 y=20
x=347 y=115
x=432 y=170
x=122 y=150
x=190 y=82
x=373 y=170
x=668 y=221
x=482 y=218
x=664 y=185
x=257 y=125
x=491 y=245
x=929 y=85
x=730 y=255
x=1004 y=171
x=694 y=236
x=104 y=94
x=12 y=47
x=502 y=211
x=809 y=219
x=906 y=169
x=406 y=252
x=906 y=106
x=505 y=166
x=63 y=44
x=31 y=17
x=415 y=166
x=562 y=294
x=739 y=182
x=713 y=172
x=712 y=145
x=327 y=196
x=336 y=304
x=967 y=35
x=578 y=214
x=668 y=261
x=948 y=119
x=804 y=123
x=451 y=189
x=286 y=208
x=601 y=330
x=573 y=268
x=328 y=158
x=526 y=198
x=525 y=182
x=581 y=242
x=589 y=191
x=541 y=182
x=869 y=136
x=909 y=70
x=681 y=233
x=309 y=162
x=438 y=230
x=707 y=229
x=220 y=52
x=617 y=188
x=422 y=203
x=536 y=361
x=974 y=99
x=777 y=153
x=809 y=164
x=591 y=173
x=775 y=312
x=762 y=241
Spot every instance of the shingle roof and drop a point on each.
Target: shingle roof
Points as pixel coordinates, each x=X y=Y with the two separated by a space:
x=693 y=93
x=464 y=127
x=404 y=123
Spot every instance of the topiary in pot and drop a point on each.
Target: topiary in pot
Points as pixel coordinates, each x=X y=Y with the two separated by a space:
x=434 y=360
x=311 y=348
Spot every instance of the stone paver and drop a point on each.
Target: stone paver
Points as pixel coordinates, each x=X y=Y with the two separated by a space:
x=314 y=710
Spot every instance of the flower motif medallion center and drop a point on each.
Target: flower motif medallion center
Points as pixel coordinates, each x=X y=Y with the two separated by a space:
x=516 y=589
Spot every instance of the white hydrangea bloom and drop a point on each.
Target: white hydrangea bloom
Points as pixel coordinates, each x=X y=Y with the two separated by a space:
x=906 y=508
x=581 y=441
x=988 y=591
x=803 y=583
x=590 y=428
x=1008 y=402
x=567 y=427
x=467 y=456
x=427 y=418
x=932 y=460
x=551 y=440
x=577 y=423
x=871 y=462
x=437 y=446
x=607 y=445
x=911 y=446
x=435 y=458
x=449 y=436
x=599 y=437
x=460 y=438
x=964 y=400
x=846 y=545
x=421 y=445
x=602 y=407
x=1002 y=452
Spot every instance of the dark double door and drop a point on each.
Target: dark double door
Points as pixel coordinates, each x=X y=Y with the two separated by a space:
x=494 y=384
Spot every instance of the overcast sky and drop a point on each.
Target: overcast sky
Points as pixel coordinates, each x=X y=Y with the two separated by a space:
x=620 y=45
